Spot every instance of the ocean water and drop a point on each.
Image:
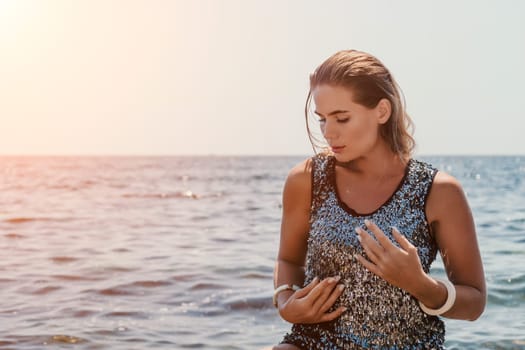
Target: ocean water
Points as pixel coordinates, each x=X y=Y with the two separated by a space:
x=178 y=252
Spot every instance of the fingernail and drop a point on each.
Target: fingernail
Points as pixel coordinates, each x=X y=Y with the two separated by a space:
x=344 y=309
x=337 y=278
x=359 y=238
x=367 y=222
x=341 y=286
x=357 y=229
x=315 y=279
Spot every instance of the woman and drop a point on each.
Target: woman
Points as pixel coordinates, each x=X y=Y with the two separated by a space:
x=363 y=221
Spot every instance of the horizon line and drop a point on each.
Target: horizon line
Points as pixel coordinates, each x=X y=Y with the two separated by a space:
x=159 y=155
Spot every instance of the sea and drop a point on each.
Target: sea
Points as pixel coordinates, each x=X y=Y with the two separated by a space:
x=178 y=252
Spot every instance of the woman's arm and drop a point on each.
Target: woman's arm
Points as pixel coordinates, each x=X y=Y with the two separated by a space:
x=309 y=304
x=289 y=268
x=453 y=227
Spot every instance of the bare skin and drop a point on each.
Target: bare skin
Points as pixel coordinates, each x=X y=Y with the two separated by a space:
x=374 y=172
x=309 y=304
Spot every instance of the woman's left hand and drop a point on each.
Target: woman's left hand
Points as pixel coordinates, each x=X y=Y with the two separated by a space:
x=399 y=266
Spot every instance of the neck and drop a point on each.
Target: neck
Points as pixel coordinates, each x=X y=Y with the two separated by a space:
x=377 y=165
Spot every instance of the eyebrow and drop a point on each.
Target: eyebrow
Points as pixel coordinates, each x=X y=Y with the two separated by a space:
x=337 y=111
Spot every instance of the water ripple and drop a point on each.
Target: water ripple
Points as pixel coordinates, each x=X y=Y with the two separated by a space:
x=149 y=284
x=63 y=259
x=46 y=290
x=62 y=338
x=23 y=220
x=14 y=236
x=114 y=291
x=205 y=286
x=76 y=278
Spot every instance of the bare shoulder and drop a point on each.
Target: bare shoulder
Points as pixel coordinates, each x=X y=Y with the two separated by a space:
x=446 y=195
x=445 y=185
x=301 y=174
x=298 y=185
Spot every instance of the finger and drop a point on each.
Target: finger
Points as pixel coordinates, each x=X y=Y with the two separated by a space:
x=369 y=244
x=379 y=235
x=371 y=267
x=401 y=239
x=336 y=293
x=327 y=292
x=317 y=290
x=333 y=315
x=306 y=289
x=374 y=258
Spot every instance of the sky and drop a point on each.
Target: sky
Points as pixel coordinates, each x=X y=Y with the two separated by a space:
x=230 y=77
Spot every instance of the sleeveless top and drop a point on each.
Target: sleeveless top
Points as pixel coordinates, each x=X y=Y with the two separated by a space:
x=379 y=315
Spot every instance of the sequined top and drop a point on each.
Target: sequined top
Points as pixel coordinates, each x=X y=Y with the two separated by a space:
x=379 y=315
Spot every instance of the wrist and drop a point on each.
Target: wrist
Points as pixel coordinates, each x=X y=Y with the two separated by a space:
x=282 y=298
x=285 y=288
x=447 y=305
x=430 y=292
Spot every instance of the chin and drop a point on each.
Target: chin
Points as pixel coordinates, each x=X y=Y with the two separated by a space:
x=343 y=158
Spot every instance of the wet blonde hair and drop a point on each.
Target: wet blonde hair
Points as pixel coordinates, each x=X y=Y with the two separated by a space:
x=370 y=81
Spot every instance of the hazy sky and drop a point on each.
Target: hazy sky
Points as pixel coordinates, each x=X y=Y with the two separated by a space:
x=231 y=76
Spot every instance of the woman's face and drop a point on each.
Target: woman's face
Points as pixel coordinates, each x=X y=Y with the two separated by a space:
x=351 y=129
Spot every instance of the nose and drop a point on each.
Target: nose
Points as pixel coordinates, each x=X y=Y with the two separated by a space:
x=329 y=130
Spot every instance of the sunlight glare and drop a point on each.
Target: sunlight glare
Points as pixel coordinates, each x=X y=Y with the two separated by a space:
x=14 y=16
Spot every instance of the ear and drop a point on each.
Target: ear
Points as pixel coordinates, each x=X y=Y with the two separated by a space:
x=384 y=110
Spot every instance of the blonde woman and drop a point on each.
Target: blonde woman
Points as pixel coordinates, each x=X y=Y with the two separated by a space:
x=363 y=221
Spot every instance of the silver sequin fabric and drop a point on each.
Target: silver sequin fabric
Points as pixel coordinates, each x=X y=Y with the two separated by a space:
x=379 y=315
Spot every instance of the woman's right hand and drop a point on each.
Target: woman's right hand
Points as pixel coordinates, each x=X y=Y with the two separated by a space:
x=311 y=303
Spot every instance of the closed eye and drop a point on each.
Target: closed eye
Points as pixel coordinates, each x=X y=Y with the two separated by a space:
x=339 y=120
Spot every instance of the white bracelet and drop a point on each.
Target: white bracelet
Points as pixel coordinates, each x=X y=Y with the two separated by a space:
x=282 y=288
x=451 y=298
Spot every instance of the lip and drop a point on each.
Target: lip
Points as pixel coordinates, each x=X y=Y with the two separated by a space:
x=337 y=149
